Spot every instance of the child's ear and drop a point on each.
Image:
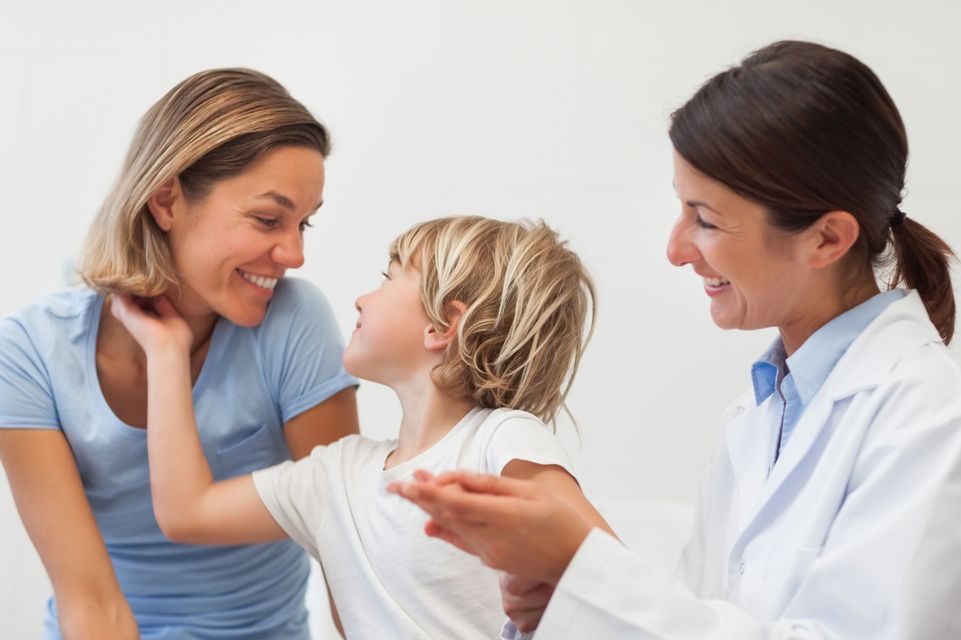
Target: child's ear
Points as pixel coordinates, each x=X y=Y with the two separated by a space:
x=161 y=203
x=434 y=339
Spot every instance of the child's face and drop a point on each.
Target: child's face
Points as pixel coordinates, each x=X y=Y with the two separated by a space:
x=387 y=345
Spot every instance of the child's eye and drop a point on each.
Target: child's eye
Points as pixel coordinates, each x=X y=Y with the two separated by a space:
x=385 y=274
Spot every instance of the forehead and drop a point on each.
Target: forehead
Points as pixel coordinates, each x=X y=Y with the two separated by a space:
x=287 y=176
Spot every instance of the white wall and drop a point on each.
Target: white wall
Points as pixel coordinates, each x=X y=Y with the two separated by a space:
x=549 y=108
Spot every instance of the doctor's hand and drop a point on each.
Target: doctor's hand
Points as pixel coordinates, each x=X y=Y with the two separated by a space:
x=153 y=323
x=512 y=525
x=524 y=600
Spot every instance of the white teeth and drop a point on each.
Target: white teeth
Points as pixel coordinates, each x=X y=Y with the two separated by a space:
x=260 y=281
x=716 y=282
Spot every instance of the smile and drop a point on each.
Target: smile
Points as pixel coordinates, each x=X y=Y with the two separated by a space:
x=716 y=282
x=261 y=281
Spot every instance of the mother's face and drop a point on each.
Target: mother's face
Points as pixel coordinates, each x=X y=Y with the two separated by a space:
x=231 y=248
x=753 y=273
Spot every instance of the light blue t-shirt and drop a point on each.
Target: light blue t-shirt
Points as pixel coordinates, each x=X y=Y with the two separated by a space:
x=252 y=382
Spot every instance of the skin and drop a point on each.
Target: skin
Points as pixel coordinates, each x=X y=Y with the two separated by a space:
x=253 y=222
x=744 y=263
x=394 y=343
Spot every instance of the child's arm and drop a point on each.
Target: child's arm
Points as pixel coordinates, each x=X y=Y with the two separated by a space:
x=188 y=504
x=558 y=482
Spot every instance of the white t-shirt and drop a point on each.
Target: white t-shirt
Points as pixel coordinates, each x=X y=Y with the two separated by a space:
x=388 y=579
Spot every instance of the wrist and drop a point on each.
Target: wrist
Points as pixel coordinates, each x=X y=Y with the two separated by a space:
x=574 y=537
x=98 y=618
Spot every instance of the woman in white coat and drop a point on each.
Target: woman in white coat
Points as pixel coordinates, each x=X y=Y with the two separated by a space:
x=814 y=515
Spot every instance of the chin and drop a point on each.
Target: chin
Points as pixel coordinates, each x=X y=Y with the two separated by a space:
x=247 y=318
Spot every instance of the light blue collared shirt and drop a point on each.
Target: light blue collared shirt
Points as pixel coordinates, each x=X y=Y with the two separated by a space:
x=797 y=378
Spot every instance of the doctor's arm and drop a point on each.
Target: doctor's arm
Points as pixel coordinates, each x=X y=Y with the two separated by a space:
x=50 y=498
x=852 y=589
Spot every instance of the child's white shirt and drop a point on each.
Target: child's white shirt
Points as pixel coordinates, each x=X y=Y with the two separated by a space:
x=387 y=577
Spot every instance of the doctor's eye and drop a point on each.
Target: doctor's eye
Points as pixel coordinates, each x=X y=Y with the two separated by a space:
x=305 y=225
x=270 y=223
x=701 y=222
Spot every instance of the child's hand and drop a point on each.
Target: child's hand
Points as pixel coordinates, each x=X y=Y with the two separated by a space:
x=153 y=323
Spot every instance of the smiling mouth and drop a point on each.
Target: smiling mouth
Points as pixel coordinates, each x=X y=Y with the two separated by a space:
x=715 y=283
x=261 y=281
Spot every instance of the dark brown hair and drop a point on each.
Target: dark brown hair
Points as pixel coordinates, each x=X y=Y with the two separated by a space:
x=803 y=129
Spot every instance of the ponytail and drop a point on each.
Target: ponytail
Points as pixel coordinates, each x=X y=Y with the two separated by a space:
x=922 y=263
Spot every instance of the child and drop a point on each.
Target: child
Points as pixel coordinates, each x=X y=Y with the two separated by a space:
x=478 y=327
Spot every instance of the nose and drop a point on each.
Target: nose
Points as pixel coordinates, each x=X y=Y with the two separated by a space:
x=289 y=251
x=359 y=302
x=680 y=249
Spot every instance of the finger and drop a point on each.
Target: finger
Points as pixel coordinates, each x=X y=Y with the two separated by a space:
x=494 y=485
x=519 y=585
x=436 y=531
x=123 y=308
x=526 y=620
x=422 y=475
x=164 y=308
x=446 y=477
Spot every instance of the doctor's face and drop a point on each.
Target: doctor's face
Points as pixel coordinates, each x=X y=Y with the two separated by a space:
x=751 y=271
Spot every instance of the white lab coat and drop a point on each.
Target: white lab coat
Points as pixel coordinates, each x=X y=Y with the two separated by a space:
x=826 y=543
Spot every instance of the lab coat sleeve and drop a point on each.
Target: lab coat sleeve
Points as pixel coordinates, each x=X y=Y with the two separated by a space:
x=880 y=573
x=608 y=592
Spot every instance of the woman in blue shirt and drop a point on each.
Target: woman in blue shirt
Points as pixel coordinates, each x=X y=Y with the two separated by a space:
x=817 y=515
x=210 y=208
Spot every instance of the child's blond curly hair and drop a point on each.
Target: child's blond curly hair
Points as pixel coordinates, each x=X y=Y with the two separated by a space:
x=530 y=308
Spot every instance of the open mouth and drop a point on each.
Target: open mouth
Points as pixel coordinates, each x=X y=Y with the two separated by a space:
x=263 y=282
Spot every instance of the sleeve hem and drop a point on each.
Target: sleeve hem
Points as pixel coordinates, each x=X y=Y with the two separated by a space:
x=318 y=395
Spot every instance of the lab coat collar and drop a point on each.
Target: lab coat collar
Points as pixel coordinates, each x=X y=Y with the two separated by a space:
x=901 y=328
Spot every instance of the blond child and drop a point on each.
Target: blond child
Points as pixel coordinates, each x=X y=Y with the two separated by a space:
x=478 y=327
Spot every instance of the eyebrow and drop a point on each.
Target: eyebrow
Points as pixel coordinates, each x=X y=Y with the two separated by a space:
x=284 y=201
x=699 y=203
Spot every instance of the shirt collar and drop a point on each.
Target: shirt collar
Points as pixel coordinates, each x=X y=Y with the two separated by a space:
x=811 y=364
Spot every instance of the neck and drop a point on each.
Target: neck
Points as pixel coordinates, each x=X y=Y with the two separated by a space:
x=428 y=415
x=823 y=307
x=114 y=339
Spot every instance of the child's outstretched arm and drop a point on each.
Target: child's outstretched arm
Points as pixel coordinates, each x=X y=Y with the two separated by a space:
x=188 y=504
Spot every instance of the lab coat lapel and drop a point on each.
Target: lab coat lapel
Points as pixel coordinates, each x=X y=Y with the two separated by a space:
x=901 y=328
x=748 y=444
x=809 y=427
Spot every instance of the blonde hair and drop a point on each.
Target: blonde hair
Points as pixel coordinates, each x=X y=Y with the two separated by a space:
x=530 y=308
x=209 y=127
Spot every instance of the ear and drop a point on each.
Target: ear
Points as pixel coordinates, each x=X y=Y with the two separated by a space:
x=832 y=236
x=434 y=340
x=163 y=201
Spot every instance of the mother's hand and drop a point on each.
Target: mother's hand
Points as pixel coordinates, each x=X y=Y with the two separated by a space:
x=510 y=524
x=153 y=322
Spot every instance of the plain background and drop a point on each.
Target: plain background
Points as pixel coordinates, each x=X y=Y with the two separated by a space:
x=553 y=109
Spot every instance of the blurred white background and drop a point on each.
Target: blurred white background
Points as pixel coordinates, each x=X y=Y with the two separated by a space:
x=555 y=109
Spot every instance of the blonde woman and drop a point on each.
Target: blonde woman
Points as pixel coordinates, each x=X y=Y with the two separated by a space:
x=209 y=211
x=478 y=327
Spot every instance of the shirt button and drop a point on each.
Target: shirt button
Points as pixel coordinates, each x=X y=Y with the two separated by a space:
x=740 y=568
